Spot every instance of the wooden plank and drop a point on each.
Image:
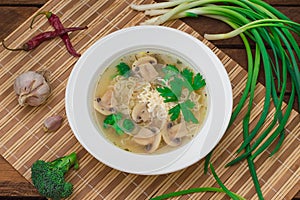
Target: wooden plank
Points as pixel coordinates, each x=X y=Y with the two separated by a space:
x=12 y=17
x=14 y=185
x=283 y=2
x=23 y=2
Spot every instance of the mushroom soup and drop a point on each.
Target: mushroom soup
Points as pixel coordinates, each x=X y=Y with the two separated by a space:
x=150 y=102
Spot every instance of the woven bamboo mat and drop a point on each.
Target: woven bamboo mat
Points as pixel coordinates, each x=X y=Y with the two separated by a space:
x=22 y=141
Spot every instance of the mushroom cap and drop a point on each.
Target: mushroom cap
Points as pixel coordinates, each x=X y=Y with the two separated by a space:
x=150 y=138
x=144 y=66
x=147 y=71
x=173 y=135
x=140 y=113
x=106 y=104
x=143 y=60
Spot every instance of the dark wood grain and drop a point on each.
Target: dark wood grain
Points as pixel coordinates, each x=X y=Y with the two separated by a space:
x=22 y=3
x=13 y=185
x=12 y=17
x=14 y=12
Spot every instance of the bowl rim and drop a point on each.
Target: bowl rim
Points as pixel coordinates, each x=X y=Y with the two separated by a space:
x=163 y=163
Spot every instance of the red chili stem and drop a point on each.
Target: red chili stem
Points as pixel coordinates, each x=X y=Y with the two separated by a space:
x=40 y=38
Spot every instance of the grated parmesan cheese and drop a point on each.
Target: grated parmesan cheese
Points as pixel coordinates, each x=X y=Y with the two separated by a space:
x=153 y=100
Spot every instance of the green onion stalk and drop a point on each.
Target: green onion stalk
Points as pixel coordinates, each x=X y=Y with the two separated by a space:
x=222 y=189
x=264 y=25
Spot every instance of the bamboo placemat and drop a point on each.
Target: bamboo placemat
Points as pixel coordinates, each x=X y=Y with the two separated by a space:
x=22 y=140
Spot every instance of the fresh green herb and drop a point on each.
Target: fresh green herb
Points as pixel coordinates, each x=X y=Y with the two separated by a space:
x=177 y=81
x=169 y=71
x=168 y=94
x=196 y=82
x=123 y=69
x=177 y=84
x=128 y=125
x=186 y=111
x=174 y=112
x=112 y=121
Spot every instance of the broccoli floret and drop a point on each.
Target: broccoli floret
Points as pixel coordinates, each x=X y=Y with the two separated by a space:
x=48 y=177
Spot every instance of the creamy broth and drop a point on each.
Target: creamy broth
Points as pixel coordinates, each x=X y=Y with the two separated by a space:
x=135 y=109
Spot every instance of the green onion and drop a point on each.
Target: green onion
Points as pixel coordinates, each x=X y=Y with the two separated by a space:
x=192 y=190
x=228 y=192
x=281 y=125
x=223 y=189
x=254 y=24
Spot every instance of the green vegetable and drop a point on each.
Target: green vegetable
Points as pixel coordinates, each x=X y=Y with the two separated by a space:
x=168 y=94
x=113 y=121
x=179 y=80
x=128 y=125
x=123 y=69
x=174 y=112
x=170 y=70
x=196 y=82
x=186 y=111
x=202 y=189
x=48 y=177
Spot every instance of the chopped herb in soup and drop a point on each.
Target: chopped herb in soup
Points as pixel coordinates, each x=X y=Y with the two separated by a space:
x=150 y=102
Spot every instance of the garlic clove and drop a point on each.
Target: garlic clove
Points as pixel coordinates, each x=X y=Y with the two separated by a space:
x=32 y=88
x=53 y=123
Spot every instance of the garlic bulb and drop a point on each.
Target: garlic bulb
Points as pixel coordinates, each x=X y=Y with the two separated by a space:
x=32 y=88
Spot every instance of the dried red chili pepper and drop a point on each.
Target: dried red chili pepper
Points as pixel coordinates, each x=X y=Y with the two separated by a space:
x=57 y=25
x=40 y=38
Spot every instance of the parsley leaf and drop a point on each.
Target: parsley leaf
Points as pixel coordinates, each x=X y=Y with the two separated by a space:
x=170 y=70
x=199 y=82
x=187 y=113
x=167 y=93
x=176 y=86
x=174 y=112
x=123 y=69
x=178 y=80
x=188 y=75
x=128 y=125
x=196 y=82
x=112 y=121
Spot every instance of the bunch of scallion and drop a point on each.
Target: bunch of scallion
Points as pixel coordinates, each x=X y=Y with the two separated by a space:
x=259 y=22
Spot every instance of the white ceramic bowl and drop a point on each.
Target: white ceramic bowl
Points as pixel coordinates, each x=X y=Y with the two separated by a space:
x=92 y=63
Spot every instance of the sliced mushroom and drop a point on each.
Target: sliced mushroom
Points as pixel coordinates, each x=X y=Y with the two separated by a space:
x=106 y=104
x=149 y=138
x=140 y=113
x=173 y=134
x=158 y=123
x=148 y=72
x=144 y=66
x=143 y=60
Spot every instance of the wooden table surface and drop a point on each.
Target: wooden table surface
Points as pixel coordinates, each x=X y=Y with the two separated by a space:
x=14 y=12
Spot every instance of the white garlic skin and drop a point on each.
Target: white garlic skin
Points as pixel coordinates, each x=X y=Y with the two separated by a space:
x=32 y=88
x=53 y=123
